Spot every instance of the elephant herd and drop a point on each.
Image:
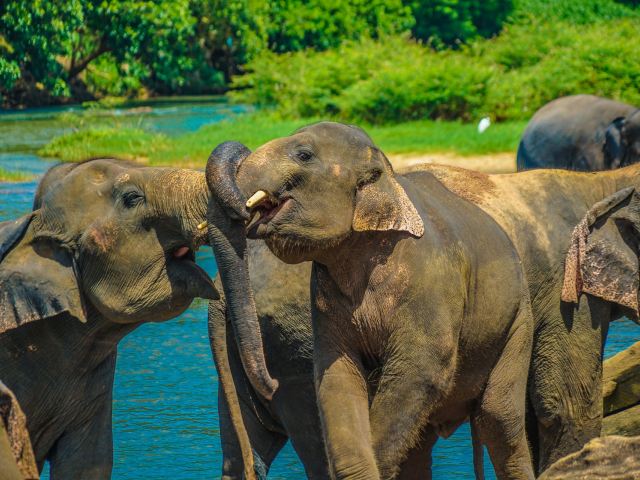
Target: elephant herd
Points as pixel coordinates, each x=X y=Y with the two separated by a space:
x=358 y=312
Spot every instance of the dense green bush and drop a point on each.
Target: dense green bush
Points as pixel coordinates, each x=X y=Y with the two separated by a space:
x=396 y=79
x=452 y=21
x=578 y=12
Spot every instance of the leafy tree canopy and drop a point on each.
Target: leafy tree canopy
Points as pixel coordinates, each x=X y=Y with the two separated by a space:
x=56 y=40
x=114 y=47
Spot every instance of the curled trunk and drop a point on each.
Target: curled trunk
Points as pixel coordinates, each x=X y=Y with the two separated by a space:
x=226 y=216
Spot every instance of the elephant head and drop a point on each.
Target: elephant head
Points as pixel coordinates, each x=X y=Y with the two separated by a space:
x=622 y=142
x=307 y=192
x=108 y=238
x=603 y=254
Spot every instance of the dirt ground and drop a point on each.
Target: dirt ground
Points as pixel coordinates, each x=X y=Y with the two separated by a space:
x=496 y=163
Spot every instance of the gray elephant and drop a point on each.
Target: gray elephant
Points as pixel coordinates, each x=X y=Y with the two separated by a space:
x=109 y=245
x=414 y=327
x=548 y=214
x=283 y=305
x=582 y=133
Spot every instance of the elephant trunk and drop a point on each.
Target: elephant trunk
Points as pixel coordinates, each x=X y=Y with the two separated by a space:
x=226 y=217
x=184 y=197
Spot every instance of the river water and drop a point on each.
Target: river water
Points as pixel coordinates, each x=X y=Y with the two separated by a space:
x=165 y=422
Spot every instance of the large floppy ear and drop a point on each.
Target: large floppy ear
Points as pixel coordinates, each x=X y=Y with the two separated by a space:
x=603 y=253
x=381 y=203
x=614 y=147
x=39 y=277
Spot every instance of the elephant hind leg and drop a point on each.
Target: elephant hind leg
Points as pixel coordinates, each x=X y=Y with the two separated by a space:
x=265 y=444
x=499 y=417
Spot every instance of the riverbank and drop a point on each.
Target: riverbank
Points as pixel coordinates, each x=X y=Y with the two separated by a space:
x=437 y=142
x=9 y=176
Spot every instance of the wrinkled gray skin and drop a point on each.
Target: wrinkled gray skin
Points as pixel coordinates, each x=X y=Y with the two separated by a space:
x=109 y=245
x=415 y=327
x=581 y=133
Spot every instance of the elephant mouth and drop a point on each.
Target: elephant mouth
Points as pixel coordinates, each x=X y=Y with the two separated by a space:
x=181 y=253
x=268 y=209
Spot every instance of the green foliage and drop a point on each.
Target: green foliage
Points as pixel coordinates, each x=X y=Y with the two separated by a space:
x=578 y=12
x=56 y=40
x=452 y=21
x=396 y=80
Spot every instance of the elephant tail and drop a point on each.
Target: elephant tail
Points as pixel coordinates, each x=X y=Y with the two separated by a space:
x=478 y=453
x=218 y=340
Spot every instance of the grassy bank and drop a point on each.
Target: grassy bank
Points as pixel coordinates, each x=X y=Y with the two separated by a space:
x=8 y=176
x=192 y=150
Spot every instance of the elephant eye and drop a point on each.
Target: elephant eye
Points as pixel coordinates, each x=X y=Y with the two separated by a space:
x=132 y=199
x=304 y=156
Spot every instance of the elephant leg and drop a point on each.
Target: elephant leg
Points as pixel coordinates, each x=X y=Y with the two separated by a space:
x=499 y=417
x=87 y=451
x=297 y=408
x=567 y=380
x=417 y=465
x=344 y=410
x=265 y=443
x=412 y=382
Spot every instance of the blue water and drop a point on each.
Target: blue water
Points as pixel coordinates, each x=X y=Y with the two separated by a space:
x=165 y=421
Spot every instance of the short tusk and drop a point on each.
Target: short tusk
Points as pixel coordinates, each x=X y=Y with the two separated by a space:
x=257 y=197
x=202 y=225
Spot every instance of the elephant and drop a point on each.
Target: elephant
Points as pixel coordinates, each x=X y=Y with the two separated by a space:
x=548 y=214
x=401 y=351
x=108 y=246
x=582 y=133
x=283 y=305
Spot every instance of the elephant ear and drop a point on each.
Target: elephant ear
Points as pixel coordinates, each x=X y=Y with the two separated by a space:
x=39 y=277
x=614 y=147
x=381 y=203
x=603 y=253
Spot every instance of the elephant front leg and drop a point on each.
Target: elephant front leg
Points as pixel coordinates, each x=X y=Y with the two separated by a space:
x=344 y=411
x=412 y=383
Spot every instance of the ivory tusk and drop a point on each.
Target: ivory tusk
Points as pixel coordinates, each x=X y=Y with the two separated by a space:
x=202 y=225
x=256 y=197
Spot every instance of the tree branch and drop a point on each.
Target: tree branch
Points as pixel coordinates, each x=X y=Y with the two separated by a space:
x=75 y=70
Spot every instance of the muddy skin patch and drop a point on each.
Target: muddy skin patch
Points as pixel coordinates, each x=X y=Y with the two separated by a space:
x=469 y=184
x=103 y=236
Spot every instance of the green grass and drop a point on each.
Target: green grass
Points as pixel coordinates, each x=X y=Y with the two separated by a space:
x=8 y=176
x=193 y=149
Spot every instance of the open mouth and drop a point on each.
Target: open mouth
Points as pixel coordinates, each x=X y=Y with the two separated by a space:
x=268 y=209
x=183 y=253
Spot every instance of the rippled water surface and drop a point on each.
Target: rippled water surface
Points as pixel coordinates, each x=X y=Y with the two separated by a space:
x=165 y=421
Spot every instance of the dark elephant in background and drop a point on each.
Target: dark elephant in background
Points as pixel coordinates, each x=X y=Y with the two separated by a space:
x=414 y=327
x=109 y=245
x=581 y=133
x=547 y=214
